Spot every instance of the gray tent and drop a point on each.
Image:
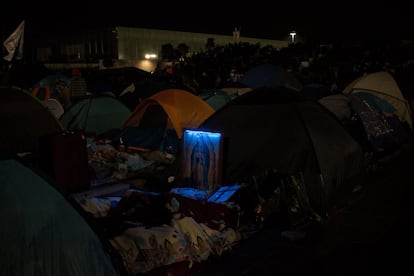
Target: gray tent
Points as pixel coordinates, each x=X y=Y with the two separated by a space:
x=338 y=104
x=277 y=129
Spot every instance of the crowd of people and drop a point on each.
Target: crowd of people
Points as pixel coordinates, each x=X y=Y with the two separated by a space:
x=334 y=66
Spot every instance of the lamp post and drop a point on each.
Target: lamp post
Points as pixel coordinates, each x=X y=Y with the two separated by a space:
x=292 y=36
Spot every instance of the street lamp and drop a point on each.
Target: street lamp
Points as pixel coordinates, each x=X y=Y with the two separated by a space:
x=292 y=36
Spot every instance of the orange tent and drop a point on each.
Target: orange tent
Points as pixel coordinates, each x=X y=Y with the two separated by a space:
x=171 y=108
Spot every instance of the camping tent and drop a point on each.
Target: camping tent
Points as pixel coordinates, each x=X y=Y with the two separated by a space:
x=338 y=104
x=364 y=116
x=24 y=119
x=52 y=80
x=55 y=107
x=216 y=98
x=41 y=233
x=383 y=85
x=171 y=108
x=382 y=133
x=53 y=86
x=96 y=115
x=375 y=101
x=276 y=129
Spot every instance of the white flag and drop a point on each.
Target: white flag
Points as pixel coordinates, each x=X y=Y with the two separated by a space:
x=15 y=42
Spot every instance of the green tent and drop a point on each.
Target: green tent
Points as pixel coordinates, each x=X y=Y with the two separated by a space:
x=41 y=232
x=97 y=115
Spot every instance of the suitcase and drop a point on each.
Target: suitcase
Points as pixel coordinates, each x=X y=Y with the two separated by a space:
x=64 y=156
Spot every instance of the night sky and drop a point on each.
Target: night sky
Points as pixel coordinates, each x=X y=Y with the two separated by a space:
x=264 y=19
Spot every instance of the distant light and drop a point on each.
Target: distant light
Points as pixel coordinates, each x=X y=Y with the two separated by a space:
x=292 y=36
x=151 y=56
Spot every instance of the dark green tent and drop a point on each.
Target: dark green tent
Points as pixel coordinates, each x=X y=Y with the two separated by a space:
x=24 y=119
x=277 y=129
x=41 y=233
